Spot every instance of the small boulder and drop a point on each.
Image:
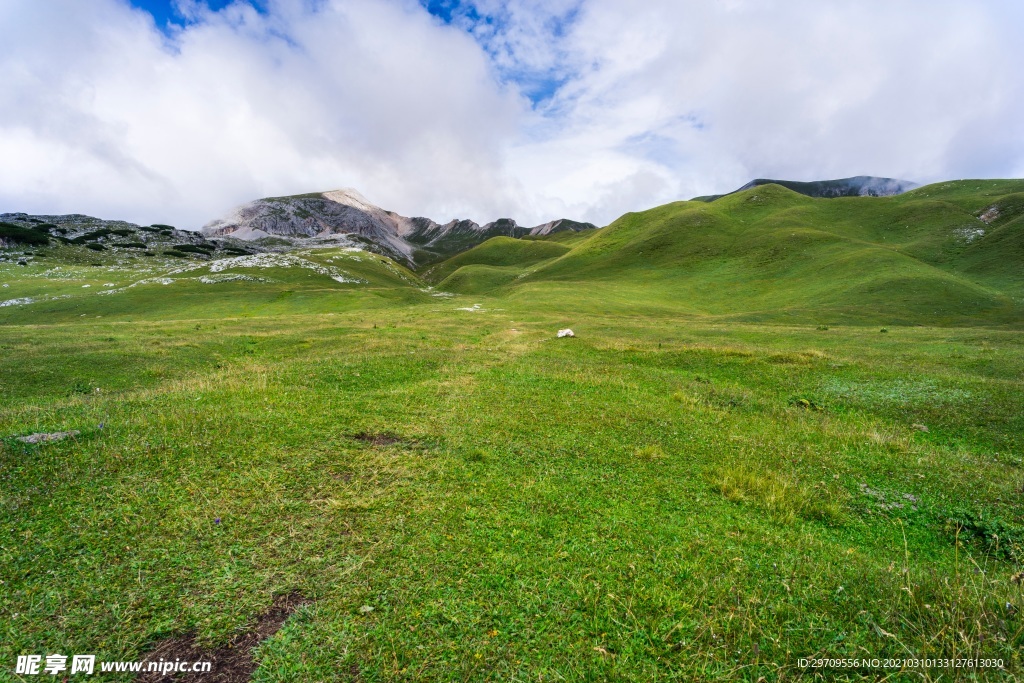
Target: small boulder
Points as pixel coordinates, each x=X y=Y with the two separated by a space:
x=43 y=437
x=990 y=215
x=566 y=333
x=920 y=427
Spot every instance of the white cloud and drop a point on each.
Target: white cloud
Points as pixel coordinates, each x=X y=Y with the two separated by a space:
x=636 y=104
x=102 y=114
x=710 y=95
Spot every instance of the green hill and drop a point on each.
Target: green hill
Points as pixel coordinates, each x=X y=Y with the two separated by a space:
x=63 y=282
x=949 y=253
x=944 y=254
x=500 y=251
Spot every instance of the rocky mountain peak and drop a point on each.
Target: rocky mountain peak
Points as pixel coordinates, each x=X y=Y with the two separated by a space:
x=416 y=241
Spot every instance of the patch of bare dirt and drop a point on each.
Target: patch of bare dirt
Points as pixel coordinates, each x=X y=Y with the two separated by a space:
x=374 y=439
x=232 y=663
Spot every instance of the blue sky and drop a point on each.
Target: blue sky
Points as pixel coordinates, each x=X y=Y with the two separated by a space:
x=165 y=12
x=498 y=32
x=535 y=109
x=487 y=27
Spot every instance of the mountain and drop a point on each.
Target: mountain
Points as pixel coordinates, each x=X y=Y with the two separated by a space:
x=117 y=237
x=858 y=186
x=416 y=241
x=944 y=254
x=949 y=253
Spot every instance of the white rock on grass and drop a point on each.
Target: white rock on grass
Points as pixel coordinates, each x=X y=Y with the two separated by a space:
x=566 y=333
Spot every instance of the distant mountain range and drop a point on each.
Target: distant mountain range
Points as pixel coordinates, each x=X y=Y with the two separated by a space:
x=858 y=186
x=416 y=241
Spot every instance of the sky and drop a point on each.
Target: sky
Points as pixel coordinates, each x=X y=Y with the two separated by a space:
x=175 y=111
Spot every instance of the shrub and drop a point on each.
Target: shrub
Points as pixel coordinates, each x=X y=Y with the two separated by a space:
x=175 y=254
x=122 y=232
x=149 y=228
x=191 y=249
x=131 y=245
x=90 y=236
x=997 y=537
x=15 y=234
x=162 y=227
x=95 y=247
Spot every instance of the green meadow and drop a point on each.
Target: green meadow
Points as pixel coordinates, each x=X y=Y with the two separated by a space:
x=787 y=428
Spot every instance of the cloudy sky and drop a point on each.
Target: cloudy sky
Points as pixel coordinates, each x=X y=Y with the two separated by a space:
x=176 y=110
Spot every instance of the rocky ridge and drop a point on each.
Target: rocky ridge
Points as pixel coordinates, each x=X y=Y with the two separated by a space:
x=416 y=241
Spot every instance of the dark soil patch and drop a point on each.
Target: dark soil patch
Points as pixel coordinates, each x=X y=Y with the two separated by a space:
x=382 y=439
x=232 y=663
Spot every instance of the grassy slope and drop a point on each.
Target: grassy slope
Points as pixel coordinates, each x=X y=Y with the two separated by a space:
x=769 y=253
x=66 y=286
x=498 y=251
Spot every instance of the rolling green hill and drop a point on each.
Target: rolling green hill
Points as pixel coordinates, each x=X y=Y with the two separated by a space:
x=950 y=253
x=944 y=254
x=500 y=251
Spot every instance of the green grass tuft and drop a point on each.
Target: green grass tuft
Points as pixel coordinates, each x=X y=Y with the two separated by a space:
x=780 y=497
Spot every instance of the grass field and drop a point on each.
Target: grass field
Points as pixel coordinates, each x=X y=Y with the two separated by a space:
x=689 y=489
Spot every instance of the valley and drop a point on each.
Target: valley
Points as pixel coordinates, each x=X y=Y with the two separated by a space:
x=787 y=427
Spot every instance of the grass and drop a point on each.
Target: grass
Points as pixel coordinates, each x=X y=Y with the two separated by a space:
x=499 y=251
x=670 y=495
x=782 y=498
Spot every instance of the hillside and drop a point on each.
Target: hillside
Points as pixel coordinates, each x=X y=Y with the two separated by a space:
x=61 y=268
x=500 y=252
x=946 y=254
x=858 y=186
x=949 y=253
